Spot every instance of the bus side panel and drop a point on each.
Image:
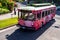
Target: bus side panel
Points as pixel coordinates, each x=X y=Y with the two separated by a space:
x=37 y=24
x=47 y=19
x=44 y=20
x=21 y=22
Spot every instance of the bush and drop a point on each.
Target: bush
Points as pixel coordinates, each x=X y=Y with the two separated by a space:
x=19 y=0
x=7 y=3
x=0 y=5
x=10 y=5
x=3 y=10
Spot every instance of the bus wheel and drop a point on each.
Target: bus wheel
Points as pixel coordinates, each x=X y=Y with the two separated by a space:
x=21 y=29
x=34 y=29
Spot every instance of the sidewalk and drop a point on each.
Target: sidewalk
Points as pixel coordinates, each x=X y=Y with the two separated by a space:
x=9 y=15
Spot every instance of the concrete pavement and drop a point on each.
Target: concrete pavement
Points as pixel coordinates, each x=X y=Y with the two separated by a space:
x=9 y=15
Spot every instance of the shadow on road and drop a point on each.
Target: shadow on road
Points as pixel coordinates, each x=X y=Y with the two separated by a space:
x=29 y=35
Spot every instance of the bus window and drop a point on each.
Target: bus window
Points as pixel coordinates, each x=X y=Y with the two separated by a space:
x=27 y=16
x=31 y=16
x=42 y=14
x=19 y=14
x=38 y=15
x=48 y=12
x=52 y=11
x=45 y=13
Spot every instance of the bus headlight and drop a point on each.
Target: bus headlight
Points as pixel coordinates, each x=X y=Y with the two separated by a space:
x=32 y=23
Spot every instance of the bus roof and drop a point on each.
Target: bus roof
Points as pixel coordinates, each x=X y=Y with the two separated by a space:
x=43 y=4
x=35 y=8
x=40 y=4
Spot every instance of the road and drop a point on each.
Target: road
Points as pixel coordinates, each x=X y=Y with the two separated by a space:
x=50 y=31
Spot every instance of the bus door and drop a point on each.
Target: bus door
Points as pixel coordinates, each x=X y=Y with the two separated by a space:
x=43 y=17
x=46 y=15
x=49 y=15
x=39 y=18
x=37 y=22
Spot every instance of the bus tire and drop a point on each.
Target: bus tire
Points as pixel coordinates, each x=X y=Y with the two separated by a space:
x=34 y=29
x=22 y=29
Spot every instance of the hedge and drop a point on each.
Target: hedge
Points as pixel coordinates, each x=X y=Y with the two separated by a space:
x=4 y=11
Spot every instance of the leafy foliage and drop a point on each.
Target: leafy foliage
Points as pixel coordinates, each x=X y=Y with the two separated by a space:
x=3 y=10
x=19 y=0
x=0 y=5
x=9 y=4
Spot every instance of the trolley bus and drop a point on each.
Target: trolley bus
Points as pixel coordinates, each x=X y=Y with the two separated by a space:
x=34 y=16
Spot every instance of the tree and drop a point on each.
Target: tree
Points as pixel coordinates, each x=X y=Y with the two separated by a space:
x=9 y=4
x=19 y=0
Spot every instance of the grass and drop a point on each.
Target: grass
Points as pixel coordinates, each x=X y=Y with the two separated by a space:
x=8 y=22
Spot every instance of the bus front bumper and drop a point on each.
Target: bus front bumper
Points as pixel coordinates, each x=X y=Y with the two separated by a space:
x=26 y=27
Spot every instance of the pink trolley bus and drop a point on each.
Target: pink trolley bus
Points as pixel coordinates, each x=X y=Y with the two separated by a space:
x=36 y=15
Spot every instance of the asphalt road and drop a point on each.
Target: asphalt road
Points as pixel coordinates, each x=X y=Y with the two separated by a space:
x=50 y=31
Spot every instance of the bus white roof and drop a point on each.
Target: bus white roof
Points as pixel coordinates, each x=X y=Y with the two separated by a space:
x=43 y=4
x=35 y=8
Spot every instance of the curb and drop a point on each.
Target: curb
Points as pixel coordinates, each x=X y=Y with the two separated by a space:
x=5 y=13
x=7 y=28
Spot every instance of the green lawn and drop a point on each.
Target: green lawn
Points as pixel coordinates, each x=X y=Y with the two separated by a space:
x=8 y=22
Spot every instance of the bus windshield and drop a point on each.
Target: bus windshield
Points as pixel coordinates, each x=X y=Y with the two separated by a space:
x=27 y=16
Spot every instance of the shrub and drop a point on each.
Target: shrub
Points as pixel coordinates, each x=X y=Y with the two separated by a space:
x=7 y=3
x=3 y=11
x=0 y=5
x=10 y=5
x=19 y=0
